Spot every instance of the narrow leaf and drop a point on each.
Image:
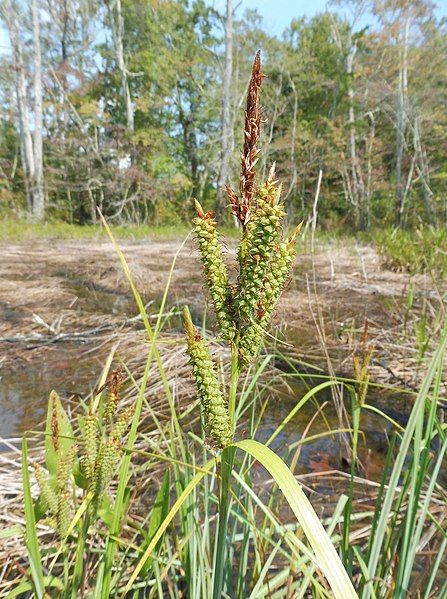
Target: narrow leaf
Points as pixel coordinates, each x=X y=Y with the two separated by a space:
x=32 y=543
x=326 y=556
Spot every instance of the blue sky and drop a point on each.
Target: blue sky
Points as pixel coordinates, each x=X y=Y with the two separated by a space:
x=277 y=14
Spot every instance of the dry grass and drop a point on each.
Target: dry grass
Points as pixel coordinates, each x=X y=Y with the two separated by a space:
x=74 y=286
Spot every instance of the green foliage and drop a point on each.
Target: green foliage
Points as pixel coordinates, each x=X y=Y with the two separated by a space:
x=414 y=251
x=179 y=534
x=327 y=107
x=20 y=230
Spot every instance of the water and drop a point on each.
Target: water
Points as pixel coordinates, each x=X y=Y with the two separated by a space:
x=73 y=371
x=69 y=368
x=24 y=389
x=325 y=451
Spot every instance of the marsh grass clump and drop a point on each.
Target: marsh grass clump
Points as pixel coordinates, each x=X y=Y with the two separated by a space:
x=421 y=251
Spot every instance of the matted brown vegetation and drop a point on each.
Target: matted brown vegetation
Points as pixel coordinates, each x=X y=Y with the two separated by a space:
x=75 y=291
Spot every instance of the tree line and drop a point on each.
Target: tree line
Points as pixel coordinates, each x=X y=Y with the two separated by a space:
x=137 y=107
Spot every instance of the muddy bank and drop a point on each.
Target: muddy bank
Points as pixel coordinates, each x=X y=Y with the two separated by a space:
x=63 y=304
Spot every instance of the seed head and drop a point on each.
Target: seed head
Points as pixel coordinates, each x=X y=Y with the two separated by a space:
x=54 y=422
x=122 y=423
x=63 y=513
x=215 y=271
x=107 y=458
x=276 y=276
x=257 y=248
x=215 y=417
x=252 y=129
x=65 y=467
x=90 y=446
x=48 y=494
x=116 y=379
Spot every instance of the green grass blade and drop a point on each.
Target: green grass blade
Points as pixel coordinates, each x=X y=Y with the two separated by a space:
x=256 y=589
x=32 y=542
x=164 y=525
x=298 y=406
x=326 y=555
x=23 y=587
x=388 y=500
x=159 y=513
x=105 y=573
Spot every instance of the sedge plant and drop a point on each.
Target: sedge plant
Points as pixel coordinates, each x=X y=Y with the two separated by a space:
x=243 y=310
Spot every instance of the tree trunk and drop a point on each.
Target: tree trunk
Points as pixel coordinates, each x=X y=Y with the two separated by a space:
x=26 y=142
x=38 y=182
x=401 y=124
x=117 y=22
x=423 y=170
x=288 y=197
x=227 y=128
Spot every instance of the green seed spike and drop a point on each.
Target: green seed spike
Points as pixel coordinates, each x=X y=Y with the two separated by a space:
x=215 y=417
x=65 y=467
x=107 y=459
x=63 y=514
x=112 y=402
x=257 y=249
x=122 y=423
x=215 y=270
x=64 y=471
x=276 y=277
x=90 y=446
x=49 y=496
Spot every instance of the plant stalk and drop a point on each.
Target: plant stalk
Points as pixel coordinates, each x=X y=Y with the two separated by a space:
x=226 y=466
x=78 y=573
x=234 y=379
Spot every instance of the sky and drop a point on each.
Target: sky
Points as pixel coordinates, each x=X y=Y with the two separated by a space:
x=276 y=14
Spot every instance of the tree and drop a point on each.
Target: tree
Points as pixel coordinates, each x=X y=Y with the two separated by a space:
x=38 y=182
x=117 y=25
x=403 y=23
x=227 y=125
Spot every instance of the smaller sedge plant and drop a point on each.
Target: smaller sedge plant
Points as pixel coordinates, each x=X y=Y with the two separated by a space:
x=361 y=361
x=89 y=459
